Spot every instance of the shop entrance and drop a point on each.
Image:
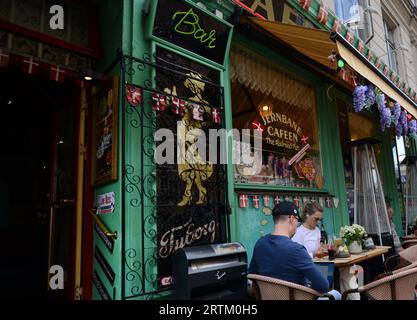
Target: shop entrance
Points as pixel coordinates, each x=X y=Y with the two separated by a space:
x=37 y=184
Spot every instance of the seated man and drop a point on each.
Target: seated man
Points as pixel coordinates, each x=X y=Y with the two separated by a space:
x=276 y=256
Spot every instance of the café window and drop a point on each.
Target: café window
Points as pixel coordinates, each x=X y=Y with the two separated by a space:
x=283 y=108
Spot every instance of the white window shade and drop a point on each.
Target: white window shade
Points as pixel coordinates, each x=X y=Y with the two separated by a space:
x=258 y=74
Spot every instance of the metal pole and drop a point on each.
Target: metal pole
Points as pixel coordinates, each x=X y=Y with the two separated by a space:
x=373 y=195
x=355 y=185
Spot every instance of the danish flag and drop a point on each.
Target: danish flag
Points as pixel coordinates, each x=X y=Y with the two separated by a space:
x=277 y=199
x=216 y=115
x=322 y=15
x=305 y=4
x=30 y=66
x=328 y=203
x=256 y=201
x=134 y=95
x=297 y=201
x=243 y=201
x=57 y=74
x=257 y=126
x=175 y=107
x=337 y=26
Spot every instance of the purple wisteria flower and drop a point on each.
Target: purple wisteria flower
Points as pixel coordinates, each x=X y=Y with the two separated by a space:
x=359 y=98
x=412 y=127
x=399 y=129
x=403 y=122
x=381 y=102
x=371 y=98
x=397 y=113
x=385 y=118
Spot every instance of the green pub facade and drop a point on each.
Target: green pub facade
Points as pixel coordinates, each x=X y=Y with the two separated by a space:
x=208 y=66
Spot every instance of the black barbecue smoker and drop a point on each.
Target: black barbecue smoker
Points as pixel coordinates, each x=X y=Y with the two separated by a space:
x=210 y=272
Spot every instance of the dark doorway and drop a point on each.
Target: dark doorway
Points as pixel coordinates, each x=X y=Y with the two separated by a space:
x=36 y=173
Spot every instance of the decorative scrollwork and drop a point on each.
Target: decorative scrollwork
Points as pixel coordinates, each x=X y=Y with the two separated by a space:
x=133 y=185
x=134 y=269
x=156 y=191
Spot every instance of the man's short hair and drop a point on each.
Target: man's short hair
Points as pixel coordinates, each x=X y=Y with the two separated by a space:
x=284 y=209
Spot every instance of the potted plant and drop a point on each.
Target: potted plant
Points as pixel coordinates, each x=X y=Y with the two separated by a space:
x=354 y=237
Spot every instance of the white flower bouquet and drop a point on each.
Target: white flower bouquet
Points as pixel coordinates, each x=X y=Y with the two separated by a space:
x=353 y=233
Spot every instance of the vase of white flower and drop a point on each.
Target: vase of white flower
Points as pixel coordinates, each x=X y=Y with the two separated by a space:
x=355 y=247
x=353 y=236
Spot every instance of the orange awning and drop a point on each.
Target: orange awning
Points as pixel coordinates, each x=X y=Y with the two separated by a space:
x=317 y=45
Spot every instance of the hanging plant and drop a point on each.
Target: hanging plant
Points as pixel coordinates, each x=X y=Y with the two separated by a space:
x=412 y=128
x=404 y=122
x=397 y=114
x=370 y=96
x=385 y=118
x=380 y=99
x=359 y=98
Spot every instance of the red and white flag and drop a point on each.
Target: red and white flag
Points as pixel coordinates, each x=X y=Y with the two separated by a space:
x=297 y=201
x=257 y=126
x=360 y=46
x=30 y=66
x=328 y=203
x=392 y=77
x=162 y=102
x=256 y=202
x=182 y=107
x=175 y=105
x=57 y=74
x=267 y=200
x=216 y=115
x=322 y=15
x=243 y=201
x=134 y=95
x=277 y=200
x=4 y=59
x=155 y=101
x=349 y=36
x=313 y=200
x=378 y=63
x=369 y=55
x=321 y=202
x=305 y=4
x=386 y=69
x=337 y=26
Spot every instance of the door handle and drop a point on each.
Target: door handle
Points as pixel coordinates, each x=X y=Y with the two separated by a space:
x=102 y=226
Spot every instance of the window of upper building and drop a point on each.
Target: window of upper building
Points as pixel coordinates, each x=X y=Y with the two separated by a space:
x=352 y=13
x=389 y=30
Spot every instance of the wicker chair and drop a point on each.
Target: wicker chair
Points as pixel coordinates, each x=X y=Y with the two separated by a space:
x=402 y=259
x=409 y=243
x=400 y=285
x=267 y=288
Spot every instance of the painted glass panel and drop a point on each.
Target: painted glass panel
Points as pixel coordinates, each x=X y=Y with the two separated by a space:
x=281 y=106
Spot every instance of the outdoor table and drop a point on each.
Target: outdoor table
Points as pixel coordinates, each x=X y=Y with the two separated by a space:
x=353 y=259
x=410 y=237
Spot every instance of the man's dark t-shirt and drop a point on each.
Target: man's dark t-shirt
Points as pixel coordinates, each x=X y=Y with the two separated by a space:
x=279 y=257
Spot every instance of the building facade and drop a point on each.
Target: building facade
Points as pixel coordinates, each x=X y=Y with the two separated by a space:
x=165 y=67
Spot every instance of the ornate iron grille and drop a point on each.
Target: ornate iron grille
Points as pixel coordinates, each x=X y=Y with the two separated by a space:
x=167 y=206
